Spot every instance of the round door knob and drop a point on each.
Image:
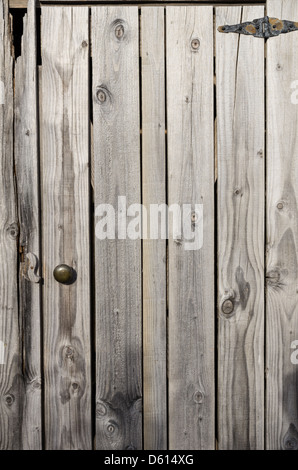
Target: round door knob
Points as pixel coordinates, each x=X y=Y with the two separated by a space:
x=64 y=274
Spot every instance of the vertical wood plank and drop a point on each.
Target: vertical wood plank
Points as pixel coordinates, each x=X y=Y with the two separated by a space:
x=27 y=175
x=240 y=137
x=11 y=380
x=115 y=55
x=282 y=233
x=154 y=251
x=65 y=223
x=190 y=181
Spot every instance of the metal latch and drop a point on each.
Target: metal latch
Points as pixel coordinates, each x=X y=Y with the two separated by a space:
x=262 y=27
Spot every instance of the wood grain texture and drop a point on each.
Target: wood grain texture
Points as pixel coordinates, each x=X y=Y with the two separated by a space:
x=154 y=251
x=23 y=3
x=282 y=233
x=116 y=129
x=11 y=380
x=190 y=181
x=27 y=176
x=240 y=134
x=66 y=228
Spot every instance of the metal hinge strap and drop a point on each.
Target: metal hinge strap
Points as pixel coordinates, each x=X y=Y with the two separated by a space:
x=262 y=27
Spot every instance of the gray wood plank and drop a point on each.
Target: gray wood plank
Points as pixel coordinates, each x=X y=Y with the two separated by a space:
x=65 y=224
x=282 y=233
x=154 y=251
x=27 y=176
x=190 y=181
x=115 y=55
x=240 y=146
x=11 y=380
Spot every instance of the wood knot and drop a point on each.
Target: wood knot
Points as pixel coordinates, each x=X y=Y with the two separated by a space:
x=195 y=45
x=84 y=44
x=290 y=441
x=291 y=444
x=9 y=399
x=110 y=428
x=260 y=153
x=36 y=384
x=13 y=231
x=238 y=192
x=276 y=277
x=102 y=95
x=227 y=307
x=273 y=277
x=119 y=29
x=101 y=410
x=75 y=386
x=228 y=303
x=198 y=397
x=280 y=205
x=194 y=217
x=69 y=352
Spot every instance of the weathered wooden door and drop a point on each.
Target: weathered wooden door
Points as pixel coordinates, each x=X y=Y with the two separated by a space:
x=151 y=343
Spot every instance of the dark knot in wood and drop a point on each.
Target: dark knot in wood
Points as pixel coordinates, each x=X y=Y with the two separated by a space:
x=195 y=45
x=9 y=399
x=102 y=95
x=290 y=441
x=198 y=397
x=119 y=31
x=227 y=307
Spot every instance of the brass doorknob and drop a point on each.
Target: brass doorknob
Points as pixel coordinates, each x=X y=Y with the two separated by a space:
x=64 y=274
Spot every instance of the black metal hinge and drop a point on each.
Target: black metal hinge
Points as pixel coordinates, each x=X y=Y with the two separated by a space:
x=262 y=27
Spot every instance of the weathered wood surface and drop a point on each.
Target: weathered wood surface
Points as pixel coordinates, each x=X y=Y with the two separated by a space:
x=11 y=380
x=282 y=233
x=27 y=176
x=23 y=3
x=240 y=131
x=116 y=125
x=66 y=229
x=190 y=181
x=154 y=251
x=121 y=168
